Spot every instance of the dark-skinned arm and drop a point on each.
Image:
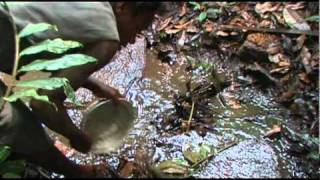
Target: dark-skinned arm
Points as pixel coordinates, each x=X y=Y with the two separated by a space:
x=102 y=90
x=59 y=121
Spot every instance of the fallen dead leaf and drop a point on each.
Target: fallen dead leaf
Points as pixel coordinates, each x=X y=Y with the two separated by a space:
x=183 y=26
x=300 y=42
x=192 y=29
x=266 y=23
x=282 y=70
x=274 y=131
x=284 y=64
x=296 y=6
x=183 y=10
x=294 y=20
x=305 y=58
x=262 y=8
x=172 y=31
x=208 y=26
x=164 y=24
x=234 y=103
x=222 y=33
x=182 y=39
x=304 y=78
x=274 y=49
x=233 y=33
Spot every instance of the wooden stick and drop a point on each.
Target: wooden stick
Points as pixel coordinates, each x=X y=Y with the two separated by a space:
x=190 y=117
x=211 y=155
x=268 y=30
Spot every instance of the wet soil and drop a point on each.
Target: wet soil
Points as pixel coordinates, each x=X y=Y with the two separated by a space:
x=152 y=86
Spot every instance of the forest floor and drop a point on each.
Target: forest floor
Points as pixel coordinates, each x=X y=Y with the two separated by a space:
x=242 y=87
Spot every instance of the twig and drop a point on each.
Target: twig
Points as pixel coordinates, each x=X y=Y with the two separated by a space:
x=211 y=155
x=252 y=29
x=190 y=117
x=16 y=56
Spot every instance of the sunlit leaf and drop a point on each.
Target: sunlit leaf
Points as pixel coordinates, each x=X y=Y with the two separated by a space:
x=51 y=84
x=68 y=90
x=196 y=6
x=66 y=61
x=13 y=166
x=27 y=93
x=172 y=167
x=315 y=18
x=196 y=154
x=57 y=46
x=294 y=20
x=202 y=16
x=35 y=28
x=180 y=162
x=48 y=83
x=4 y=153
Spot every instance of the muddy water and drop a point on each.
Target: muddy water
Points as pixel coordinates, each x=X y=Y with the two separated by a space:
x=149 y=85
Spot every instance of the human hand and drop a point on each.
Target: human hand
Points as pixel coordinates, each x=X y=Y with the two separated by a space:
x=113 y=94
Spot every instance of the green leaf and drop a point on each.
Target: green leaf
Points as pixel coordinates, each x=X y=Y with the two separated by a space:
x=196 y=154
x=14 y=166
x=51 y=84
x=205 y=151
x=48 y=83
x=202 y=16
x=315 y=18
x=294 y=20
x=57 y=46
x=196 y=6
x=64 y=62
x=213 y=13
x=35 y=28
x=4 y=153
x=10 y=175
x=27 y=93
x=171 y=167
x=68 y=90
x=180 y=162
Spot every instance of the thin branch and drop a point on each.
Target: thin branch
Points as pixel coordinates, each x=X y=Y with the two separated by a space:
x=190 y=117
x=268 y=30
x=16 y=56
x=214 y=154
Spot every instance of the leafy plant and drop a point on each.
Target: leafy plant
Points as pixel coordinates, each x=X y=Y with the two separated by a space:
x=202 y=16
x=10 y=168
x=56 y=46
x=196 y=6
x=206 y=12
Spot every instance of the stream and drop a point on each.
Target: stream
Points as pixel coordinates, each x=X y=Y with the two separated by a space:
x=150 y=85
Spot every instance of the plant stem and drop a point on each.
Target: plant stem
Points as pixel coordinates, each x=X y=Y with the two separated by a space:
x=190 y=117
x=211 y=155
x=16 y=56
